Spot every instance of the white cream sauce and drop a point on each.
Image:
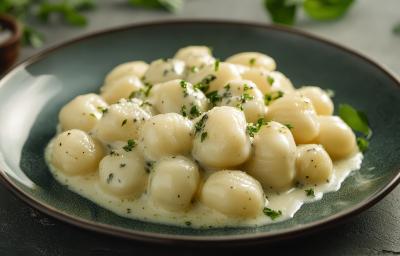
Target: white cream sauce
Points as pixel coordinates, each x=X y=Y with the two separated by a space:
x=200 y=216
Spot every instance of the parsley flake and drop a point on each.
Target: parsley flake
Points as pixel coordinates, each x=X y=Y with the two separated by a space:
x=184 y=85
x=130 y=145
x=194 y=112
x=252 y=129
x=124 y=122
x=270 y=80
x=204 y=84
x=216 y=65
x=252 y=61
x=310 y=192
x=270 y=97
x=272 y=213
x=102 y=110
x=203 y=136
x=199 y=126
x=289 y=126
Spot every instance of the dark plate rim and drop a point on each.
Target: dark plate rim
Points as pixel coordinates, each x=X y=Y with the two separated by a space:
x=190 y=239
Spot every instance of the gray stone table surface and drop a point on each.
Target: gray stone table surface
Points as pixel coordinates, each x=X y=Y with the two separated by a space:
x=366 y=28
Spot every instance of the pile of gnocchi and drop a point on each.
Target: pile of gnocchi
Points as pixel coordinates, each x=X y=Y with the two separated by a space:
x=192 y=132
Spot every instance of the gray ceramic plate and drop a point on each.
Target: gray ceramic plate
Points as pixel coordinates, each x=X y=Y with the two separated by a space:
x=32 y=94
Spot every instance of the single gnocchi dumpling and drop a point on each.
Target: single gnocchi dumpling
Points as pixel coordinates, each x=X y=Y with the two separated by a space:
x=321 y=101
x=233 y=193
x=313 y=165
x=121 y=122
x=253 y=59
x=214 y=77
x=267 y=81
x=123 y=175
x=120 y=88
x=242 y=94
x=133 y=68
x=336 y=137
x=273 y=159
x=76 y=153
x=174 y=182
x=297 y=112
x=221 y=140
x=195 y=56
x=178 y=96
x=163 y=70
x=166 y=135
x=83 y=112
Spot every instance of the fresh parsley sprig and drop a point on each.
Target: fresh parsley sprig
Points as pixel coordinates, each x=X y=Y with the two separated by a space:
x=357 y=121
x=284 y=11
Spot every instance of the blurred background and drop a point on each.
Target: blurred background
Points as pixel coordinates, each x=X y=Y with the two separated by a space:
x=369 y=26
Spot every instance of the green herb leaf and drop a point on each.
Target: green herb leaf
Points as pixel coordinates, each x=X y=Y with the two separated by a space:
x=204 y=84
x=214 y=97
x=130 y=145
x=216 y=65
x=310 y=192
x=289 y=126
x=194 y=112
x=199 y=126
x=252 y=129
x=32 y=37
x=270 y=97
x=355 y=119
x=169 y=5
x=203 y=136
x=124 y=122
x=252 y=61
x=270 y=80
x=281 y=11
x=326 y=9
x=272 y=213
x=362 y=144
x=184 y=85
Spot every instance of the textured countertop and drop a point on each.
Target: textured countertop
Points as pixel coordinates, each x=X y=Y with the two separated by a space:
x=366 y=28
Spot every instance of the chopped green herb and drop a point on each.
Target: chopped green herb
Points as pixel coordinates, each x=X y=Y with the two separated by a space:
x=203 y=136
x=146 y=103
x=252 y=129
x=272 y=213
x=188 y=223
x=357 y=120
x=199 y=126
x=289 y=126
x=103 y=110
x=130 y=145
x=310 y=192
x=132 y=95
x=92 y=115
x=326 y=9
x=270 y=80
x=122 y=165
x=216 y=65
x=110 y=177
x=147 y=90
x=194 y=112
x=214 y=97
x=204 y=85
x=194 y=69
x=270 y=97
x=124 y=122
x=362 y=144
x=184 y=85
x=183 y=111
x=252 y=61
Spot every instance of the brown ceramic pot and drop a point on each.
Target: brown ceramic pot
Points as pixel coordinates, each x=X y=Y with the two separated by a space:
x=9 y=49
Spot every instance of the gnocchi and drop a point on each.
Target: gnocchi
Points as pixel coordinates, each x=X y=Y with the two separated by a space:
x=196 y=142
